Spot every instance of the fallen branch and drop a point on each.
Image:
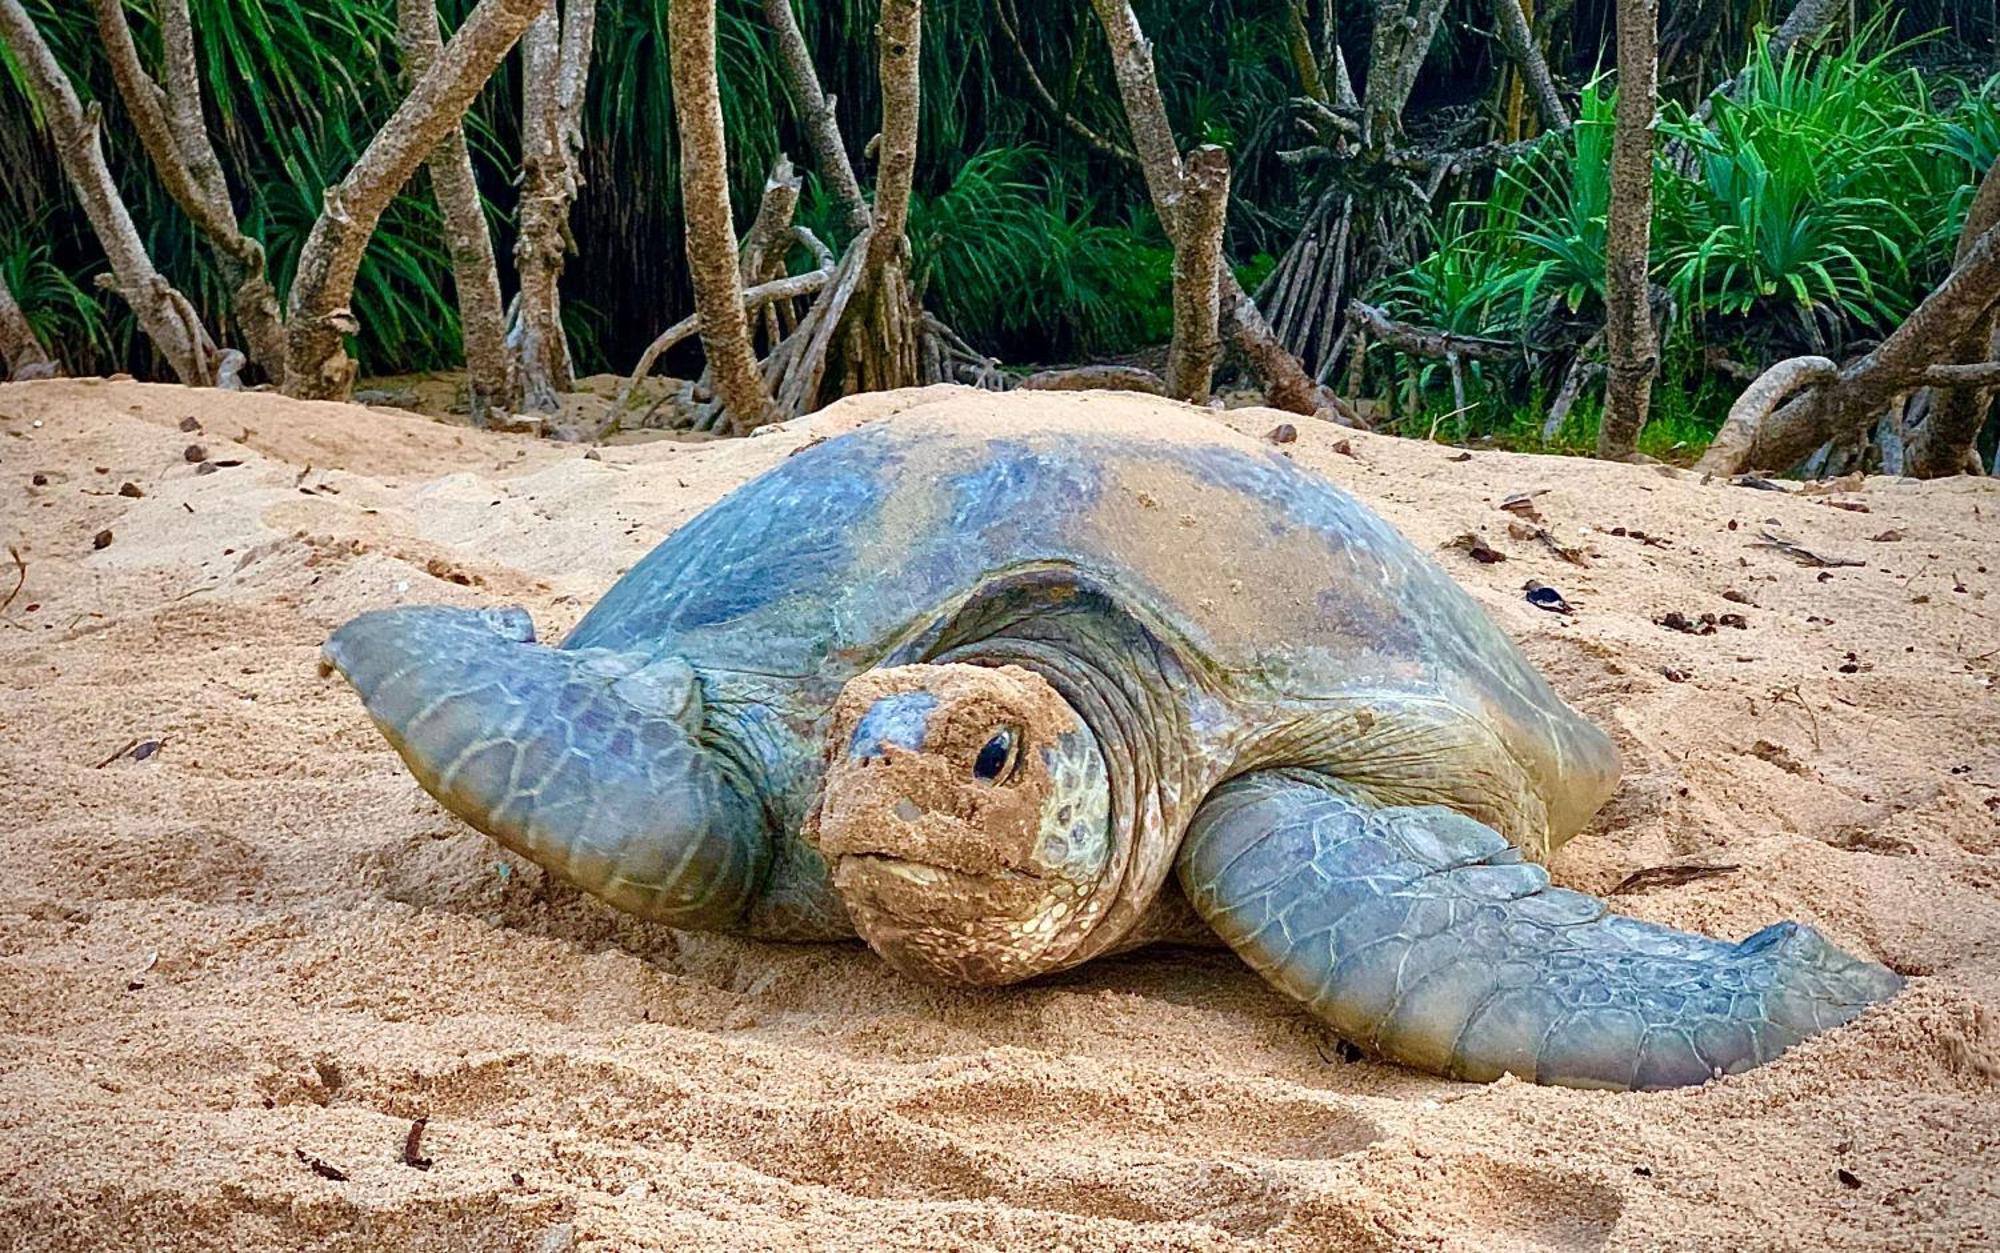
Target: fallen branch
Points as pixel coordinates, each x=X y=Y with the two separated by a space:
x=1800 y=553
x=20 y=576
x=1422 y=342
x=1088 y=378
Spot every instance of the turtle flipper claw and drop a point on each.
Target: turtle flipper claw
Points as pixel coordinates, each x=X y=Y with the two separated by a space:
x=584 y=761
x=1420 y=934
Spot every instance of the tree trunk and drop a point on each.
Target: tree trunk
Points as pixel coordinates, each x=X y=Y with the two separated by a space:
x=1946 y=442
x=1631 y=343
x=900 y=34
x=1518 y=37
x=1286 y=384
x=317 y=366
x=1197 y=275
x=1864 y=389
x=880 y=333
x=20 y=350
x=165 y=315
x=174 y=132
x=555 y=67
x=489 y=376
x=711 y=236
x=1402 y=38
x=816 y=116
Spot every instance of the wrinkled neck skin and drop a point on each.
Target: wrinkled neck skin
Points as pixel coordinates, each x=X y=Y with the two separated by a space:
x=1141 y=708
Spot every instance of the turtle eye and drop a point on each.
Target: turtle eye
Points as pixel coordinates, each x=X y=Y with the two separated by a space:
x=995 y=763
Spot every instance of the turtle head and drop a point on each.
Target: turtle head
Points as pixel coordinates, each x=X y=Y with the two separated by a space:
x=966 y=816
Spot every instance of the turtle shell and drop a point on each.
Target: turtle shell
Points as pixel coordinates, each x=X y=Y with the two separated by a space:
x=1324 y=637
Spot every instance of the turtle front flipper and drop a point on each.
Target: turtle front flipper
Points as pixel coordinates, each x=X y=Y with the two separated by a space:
x=1420 y=934
x=584 y=761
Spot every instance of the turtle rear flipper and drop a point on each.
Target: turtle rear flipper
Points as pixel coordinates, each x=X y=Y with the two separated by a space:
x=584 y=761
x=1420 y=934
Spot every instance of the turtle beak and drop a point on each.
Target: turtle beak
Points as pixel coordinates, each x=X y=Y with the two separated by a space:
x=584 y=761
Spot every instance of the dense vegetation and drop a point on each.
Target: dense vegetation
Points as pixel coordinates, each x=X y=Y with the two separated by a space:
x=1811 y=214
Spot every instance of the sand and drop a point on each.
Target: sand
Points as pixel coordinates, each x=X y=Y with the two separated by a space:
x=236 y=968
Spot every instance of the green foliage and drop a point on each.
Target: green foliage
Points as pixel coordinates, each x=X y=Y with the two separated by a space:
x=1032 y=243
x=1795 y=211
x=1008 y=247
x=1816 y=209
x=63 y=312
x=1069 y=262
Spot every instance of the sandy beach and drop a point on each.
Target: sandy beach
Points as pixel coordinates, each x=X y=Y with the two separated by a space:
x=241 y=952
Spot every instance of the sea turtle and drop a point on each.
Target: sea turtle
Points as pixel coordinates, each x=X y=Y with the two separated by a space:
x=983 y=681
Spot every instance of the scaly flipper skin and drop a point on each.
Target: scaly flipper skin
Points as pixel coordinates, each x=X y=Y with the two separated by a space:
x=581 y=760
x=1420 y=934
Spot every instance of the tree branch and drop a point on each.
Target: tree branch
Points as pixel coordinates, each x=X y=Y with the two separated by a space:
x=770 y=235
x=900 y=34
x=1804 y=25
x=711 y=236
x=1401 y=40
x=754 y=298
x=1286 y=384
x=1631 y=343
x=174 y=132
x=548 y=186
x=1518 y=38
x=816 y=116
x=163 y=312
x=1145 y=109
x=316 y=361
x=1864 y=388
x=1946 y=441
x=1010 y=26
x=490 y=378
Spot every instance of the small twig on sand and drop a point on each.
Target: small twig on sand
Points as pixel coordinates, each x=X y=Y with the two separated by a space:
x=413 y=1145
x=123 y=749
x=1793 y=695
x=1668 y=877
x=1800 y=553
x=20 y=577
x=324 y=1169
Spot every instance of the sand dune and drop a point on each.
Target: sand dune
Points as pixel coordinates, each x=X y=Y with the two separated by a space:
x=243 y=963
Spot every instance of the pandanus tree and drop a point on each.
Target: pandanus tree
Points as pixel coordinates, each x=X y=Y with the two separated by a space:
x=862 y=328
x=302 y=346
